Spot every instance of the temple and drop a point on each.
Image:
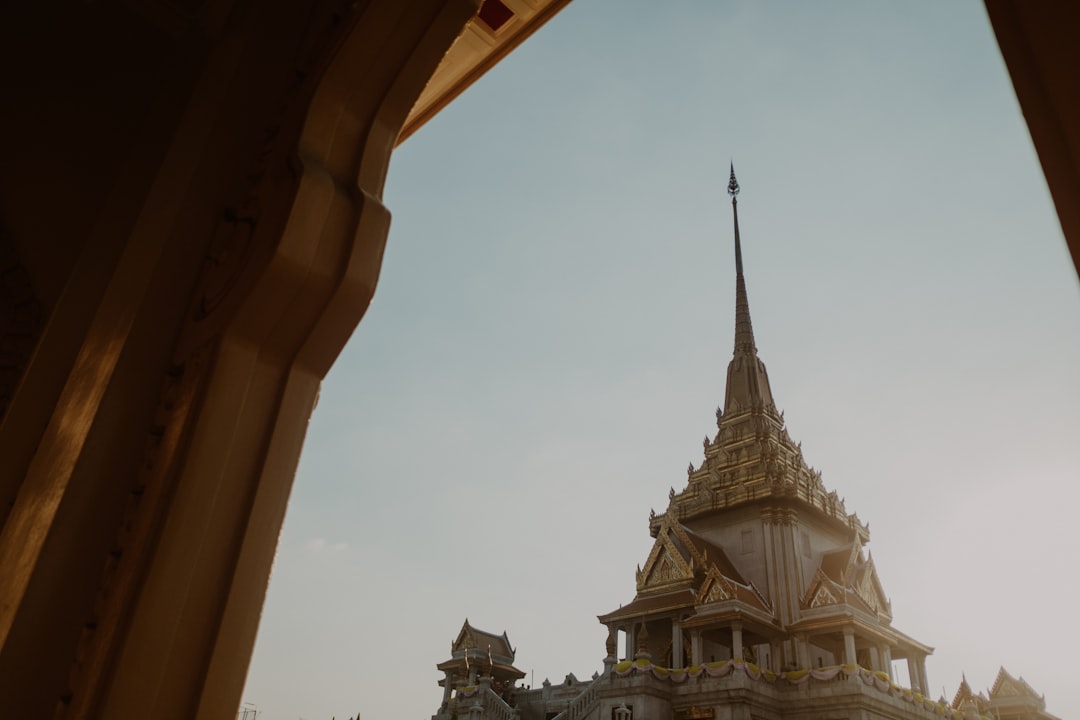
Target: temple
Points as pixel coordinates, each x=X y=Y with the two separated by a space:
x=473 y=652
x=758 y=599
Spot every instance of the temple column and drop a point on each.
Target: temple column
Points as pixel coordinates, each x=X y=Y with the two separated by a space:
x=913 y=674
x=792 y=575
x=676 y=643
x=850 y=657
x=630 y=647
x=447 y=689
x=695 y=647
x=886 y=660
x=149 y=451
x=875 y=658
x=802 y=651
x=611 y=647
x=773 y=562
x=923 y=682
x=736 y=640
x=774 y=656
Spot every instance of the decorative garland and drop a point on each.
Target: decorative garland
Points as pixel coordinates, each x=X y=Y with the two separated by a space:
x=875 y=678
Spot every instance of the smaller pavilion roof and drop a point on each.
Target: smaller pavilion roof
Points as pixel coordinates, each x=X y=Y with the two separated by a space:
x=488 y=651
x=470 y=637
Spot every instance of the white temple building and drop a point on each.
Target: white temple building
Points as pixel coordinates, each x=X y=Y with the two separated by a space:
x=758 y=600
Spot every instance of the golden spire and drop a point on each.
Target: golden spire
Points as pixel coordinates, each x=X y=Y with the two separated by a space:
x=744 y=331
x=747 y=379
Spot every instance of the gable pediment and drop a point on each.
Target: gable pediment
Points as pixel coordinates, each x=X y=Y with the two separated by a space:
x=868 y=587
x=716 y=588
x=666 y=565
x=1008 y=689
x=823 y=596
x=1007 y=686
x=822 y=592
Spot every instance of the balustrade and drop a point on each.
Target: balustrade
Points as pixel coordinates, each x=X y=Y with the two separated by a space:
x=584 y=703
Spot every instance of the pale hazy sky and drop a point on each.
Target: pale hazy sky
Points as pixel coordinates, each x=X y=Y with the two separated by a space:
x=555 y=315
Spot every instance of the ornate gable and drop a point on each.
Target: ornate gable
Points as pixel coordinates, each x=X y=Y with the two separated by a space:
x=823 y=596
x=716 y=588
x=868 y=587
x=966 y=697
x=667 y=565
x=823 y=591
x=1007 y=686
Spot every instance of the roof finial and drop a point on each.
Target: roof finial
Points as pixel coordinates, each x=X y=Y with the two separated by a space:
x=744 y=332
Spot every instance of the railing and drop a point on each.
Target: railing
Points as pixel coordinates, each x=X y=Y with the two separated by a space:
x=495 y=708
x=584 y=703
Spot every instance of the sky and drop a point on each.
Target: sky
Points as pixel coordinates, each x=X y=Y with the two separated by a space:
x=550 y=335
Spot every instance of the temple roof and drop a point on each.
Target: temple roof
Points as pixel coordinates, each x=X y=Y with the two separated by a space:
x=965 y=696
x=649 y=604
x=752 y=457
x=684 y=570
x=835 y=563
x=487 y=651
x=469 y=638
x=713 y=554
x=1007 y=686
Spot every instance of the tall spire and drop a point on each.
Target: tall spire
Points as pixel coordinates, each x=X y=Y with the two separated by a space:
x=744 y=331
x=747 y=379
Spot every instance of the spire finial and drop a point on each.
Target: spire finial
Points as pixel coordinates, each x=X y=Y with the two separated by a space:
x=744 y=332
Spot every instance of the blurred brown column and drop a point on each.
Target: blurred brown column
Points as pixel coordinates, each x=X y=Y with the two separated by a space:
x=191 y=210
x=1038 y=43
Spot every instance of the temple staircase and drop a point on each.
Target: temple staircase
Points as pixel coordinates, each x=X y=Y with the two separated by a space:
x=583 y=706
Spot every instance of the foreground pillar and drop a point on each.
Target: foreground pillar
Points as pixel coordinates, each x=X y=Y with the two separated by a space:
x=149 y=450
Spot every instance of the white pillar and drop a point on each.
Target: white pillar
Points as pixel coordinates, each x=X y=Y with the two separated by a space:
x=774 y=656
x=695 y=647
x=736 y=640
x=446 y=690
x=802 y=652
x=922 y=674
x=913 y=675
x=850 y=657
x=886 y=660
x=875 y=658
x=631 y=648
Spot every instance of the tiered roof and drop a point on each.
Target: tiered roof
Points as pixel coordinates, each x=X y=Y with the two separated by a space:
x=1010 y=698
x=752 y=461
x=684 y=570
x=482 y=650
x=752 y=457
